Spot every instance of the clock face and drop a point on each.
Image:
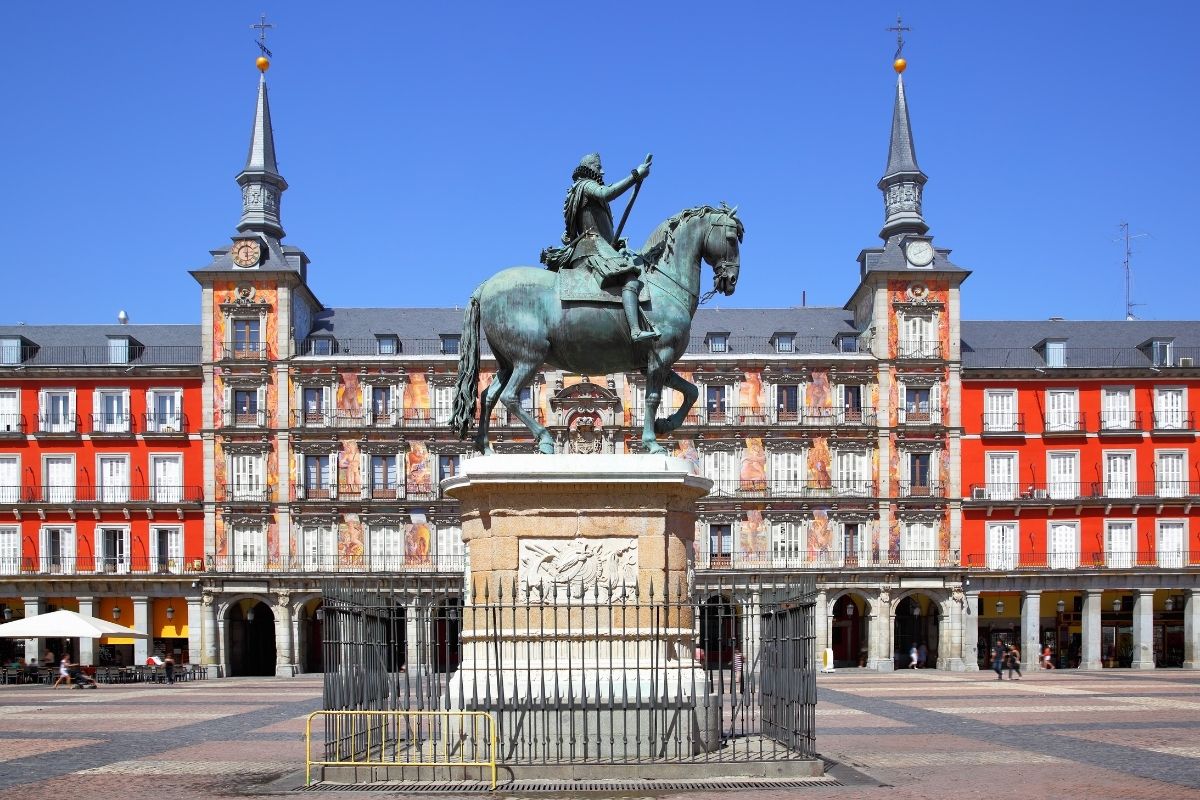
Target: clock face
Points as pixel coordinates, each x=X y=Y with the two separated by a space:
x=919 y=253
x=246 y=253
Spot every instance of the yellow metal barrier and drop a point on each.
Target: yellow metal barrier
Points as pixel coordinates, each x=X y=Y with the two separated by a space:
x=355 y=725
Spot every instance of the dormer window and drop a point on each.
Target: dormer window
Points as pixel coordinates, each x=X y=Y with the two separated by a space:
x=847 y=343
x=718 y=342
x=1055 y=352
x=387 y=345
x=10 y=350
x=785 y=342
x=118 y=349
x=450 y=344
x=1162 y=352
x=321 y=346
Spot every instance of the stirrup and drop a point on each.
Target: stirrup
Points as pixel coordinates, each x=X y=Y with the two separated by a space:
x=639 y=336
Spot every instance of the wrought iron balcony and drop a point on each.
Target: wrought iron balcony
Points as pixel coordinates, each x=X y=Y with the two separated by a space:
x=918 y=349
x=248 y=493
x=244 y=351
x=1117 y=423
x=1070 y=560
x=1075 y=491
x=336 y=563
x=825 y=417
x=328 y=347
x=922 y=489
x=99 y=563
x=1174 y=422
x=156 y=424
x=109 y=424
x=1003 y=423
x=1078 y=358
x=1063 y=423
x=70 y=494
x=785 y=559
x=58 y=425
x=12 y=425
x=919 y=416
x=357 y=492
x=245 y=419
x=134 y=355
x=787 y=488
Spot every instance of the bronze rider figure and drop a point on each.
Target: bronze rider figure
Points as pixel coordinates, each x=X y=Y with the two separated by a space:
x=590 y=240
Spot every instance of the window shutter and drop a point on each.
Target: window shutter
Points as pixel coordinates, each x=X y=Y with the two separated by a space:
x=262 y=404
x=229 y=411
x=333 y=472
x=902 y=397
x=68 y=546
x=42 y=410
x=100 y=420
x=71 y=410
x=366 y=401
x=364 y=472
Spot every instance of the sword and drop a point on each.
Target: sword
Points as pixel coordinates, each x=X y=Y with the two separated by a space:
x=637 y=188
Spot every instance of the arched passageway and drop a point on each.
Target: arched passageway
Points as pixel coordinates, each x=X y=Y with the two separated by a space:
x=849 y=631
x=916 y=625
x=250 y=631
x=447 y=638
x=311 y=650
x=720 y=631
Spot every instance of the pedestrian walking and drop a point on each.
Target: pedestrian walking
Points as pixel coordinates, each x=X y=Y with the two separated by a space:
x=998 y=659
x=922 y=656
x=169 y=668
x=1014 y=662
x=1047 y=658
x=64 y=671
x=912 y=657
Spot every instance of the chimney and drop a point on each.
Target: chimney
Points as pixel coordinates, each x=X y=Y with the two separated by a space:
x=122 y=317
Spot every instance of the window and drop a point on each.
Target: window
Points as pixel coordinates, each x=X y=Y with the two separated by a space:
x=1172 y=534
x=112 y=545
x=450 y=344
x=110 y=411
x=443 y=404
x=917 y=338
x=922 y=405
x=387 y=547
x=1170 y=473
x=1062 y=410
x=164 y=411
x=448 y=465
x=451 y=550
x=248 y=546
x=57 y=412
x=854 y=542
x=1162 y=352
x=918 y=467
x=525 y=398
x=788 y=544
x=721 y=467
x=245 y=408
x=1056 y=353
x=10 y=478
x=10 y=350
x=787 y=402
x=320 y=346
x=315 y=401
x=166 y=549
x=1063 y=469
x=788 y=471
x=1169 y=408
x=1000 y=411
x=382 y=475
x=1062 y=545
x=245 y=337
x=1116 y=409
x=848 y=343
x=10 y=550
x=852 y=473
x=918 y=544
x=382 y=410
x=720 y=543
x=387 y=345
x=113 y=479
x=1118 y=474
x=1119 y=549
x=317 y=478
x=716 y=402
x=10 y=411
x=1002 y=476
x=318 y=547
x=1002 y=545
x=118 y=350
x=785 y=343
x=849 y=401
x=166 y=478
x=718 y=342
x=246 y=471
x=58 y=485
x=57 y=549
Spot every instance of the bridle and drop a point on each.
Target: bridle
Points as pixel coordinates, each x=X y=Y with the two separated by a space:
x=727 y=224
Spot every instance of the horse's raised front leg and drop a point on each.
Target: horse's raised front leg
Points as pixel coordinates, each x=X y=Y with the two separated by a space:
x=654 y=385
x=487 y=401
x=510 y=395
x=690 y=395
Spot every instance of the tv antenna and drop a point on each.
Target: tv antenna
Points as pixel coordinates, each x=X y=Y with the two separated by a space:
x=1127 y=237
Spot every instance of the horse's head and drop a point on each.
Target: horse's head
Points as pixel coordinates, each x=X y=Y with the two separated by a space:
x=721 y=248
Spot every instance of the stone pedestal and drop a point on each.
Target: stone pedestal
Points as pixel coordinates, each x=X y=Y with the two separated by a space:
x=577 y=628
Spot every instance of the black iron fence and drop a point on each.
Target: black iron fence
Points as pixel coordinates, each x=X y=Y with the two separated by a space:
x=572 y=674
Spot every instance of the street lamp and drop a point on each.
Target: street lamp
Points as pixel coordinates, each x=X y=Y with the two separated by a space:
x=999 y=606
x=116 y=613
x=170 y=613
x=1169 y=605
x=1116 y=604
x=250 y=615
x=850 y=607
x=916 y=609
x=1061 y=605
x=8 y=611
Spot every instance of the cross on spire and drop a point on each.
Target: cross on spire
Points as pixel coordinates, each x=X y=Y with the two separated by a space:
x=899 y=28
x=262 y=25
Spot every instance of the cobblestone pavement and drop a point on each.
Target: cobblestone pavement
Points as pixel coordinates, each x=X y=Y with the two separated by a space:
x=902 y=735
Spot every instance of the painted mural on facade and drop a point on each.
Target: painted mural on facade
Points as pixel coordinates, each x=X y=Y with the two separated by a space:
x=753 y=474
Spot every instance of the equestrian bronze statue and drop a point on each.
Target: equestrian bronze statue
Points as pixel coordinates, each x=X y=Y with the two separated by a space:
x=584 y=313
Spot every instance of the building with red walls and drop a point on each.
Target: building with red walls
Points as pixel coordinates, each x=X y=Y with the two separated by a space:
x=1080 y=483
x=101 y=482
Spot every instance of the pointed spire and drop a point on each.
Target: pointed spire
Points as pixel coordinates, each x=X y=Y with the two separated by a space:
x=262 y=185
x=903 y=180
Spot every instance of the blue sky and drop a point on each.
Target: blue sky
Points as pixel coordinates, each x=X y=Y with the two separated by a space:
x=429 y=145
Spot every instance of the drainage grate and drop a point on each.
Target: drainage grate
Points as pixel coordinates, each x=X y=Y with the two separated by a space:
x=559 y=787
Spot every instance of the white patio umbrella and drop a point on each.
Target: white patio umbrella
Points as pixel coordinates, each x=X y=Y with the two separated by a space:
x=67 y=625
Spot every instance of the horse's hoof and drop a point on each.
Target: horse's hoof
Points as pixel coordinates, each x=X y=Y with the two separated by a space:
x=546 y=447
x=663 y=426
x=655 y=449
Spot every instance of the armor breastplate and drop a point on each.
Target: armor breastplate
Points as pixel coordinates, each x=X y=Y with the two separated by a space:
x=596 y=216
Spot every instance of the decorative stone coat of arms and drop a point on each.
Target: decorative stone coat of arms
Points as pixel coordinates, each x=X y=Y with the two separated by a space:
x=586 y=570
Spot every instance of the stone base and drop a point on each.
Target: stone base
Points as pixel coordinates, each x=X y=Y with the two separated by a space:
x=286 y=671
x=213 y=671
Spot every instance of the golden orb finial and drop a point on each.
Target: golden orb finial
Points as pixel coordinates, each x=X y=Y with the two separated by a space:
x=263 y=63
x=899 y=65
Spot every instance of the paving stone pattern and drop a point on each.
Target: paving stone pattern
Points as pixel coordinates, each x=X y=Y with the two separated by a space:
x=902 y=735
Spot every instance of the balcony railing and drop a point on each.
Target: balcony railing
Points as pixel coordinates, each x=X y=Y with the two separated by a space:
x=1168 y=421
x=69 y=494
x=1003 y=423
x=244 y=351
x=324 y=346
x=1010 y=562
x=109 y=424
x=155 y=424
x=786 y=488
x=784 y=559
x=136 y=564
x=922 y=489
x=356 y=491
x=99 y=355
x=58 y=425
x=400 y=418
x=244 y=419
x=1119 y=422
x=248 y=493
x=1073 y=491
x=821 y=417
x=1074 y=357
x=1063 y=423
x=918 y=348
x=920 y=416
x=12 y=425
x=322 y=563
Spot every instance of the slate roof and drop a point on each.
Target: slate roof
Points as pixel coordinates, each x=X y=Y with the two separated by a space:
x=902 y=153
x=276 y=258
x=891 y=259
x=49 y=345
x=1095 y=344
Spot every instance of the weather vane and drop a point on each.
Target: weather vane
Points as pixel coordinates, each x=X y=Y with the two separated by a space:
x=262 y=25
x=899 y=64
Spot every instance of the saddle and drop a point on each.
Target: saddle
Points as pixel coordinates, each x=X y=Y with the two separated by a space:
x=579 y=285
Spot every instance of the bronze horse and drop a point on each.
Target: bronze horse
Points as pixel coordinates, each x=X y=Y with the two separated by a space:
x=527 y=326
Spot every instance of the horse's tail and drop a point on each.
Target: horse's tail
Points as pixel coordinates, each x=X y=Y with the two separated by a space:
x=466 y=394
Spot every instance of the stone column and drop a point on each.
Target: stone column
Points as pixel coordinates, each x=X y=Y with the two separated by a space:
x=86 y=647
x=823 y=621
x=879 y=622
x=33 y=647
x=1031 y=630
x=950 y=632
x=418 y=649
x=970 y=631
x=1090 y=657
x=285 y=666
x=222 y=668
x=1191 y=631
x=1143 y=629
x=752 y=633
x=195 y=614
x=141 y=622
x=209 y=638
